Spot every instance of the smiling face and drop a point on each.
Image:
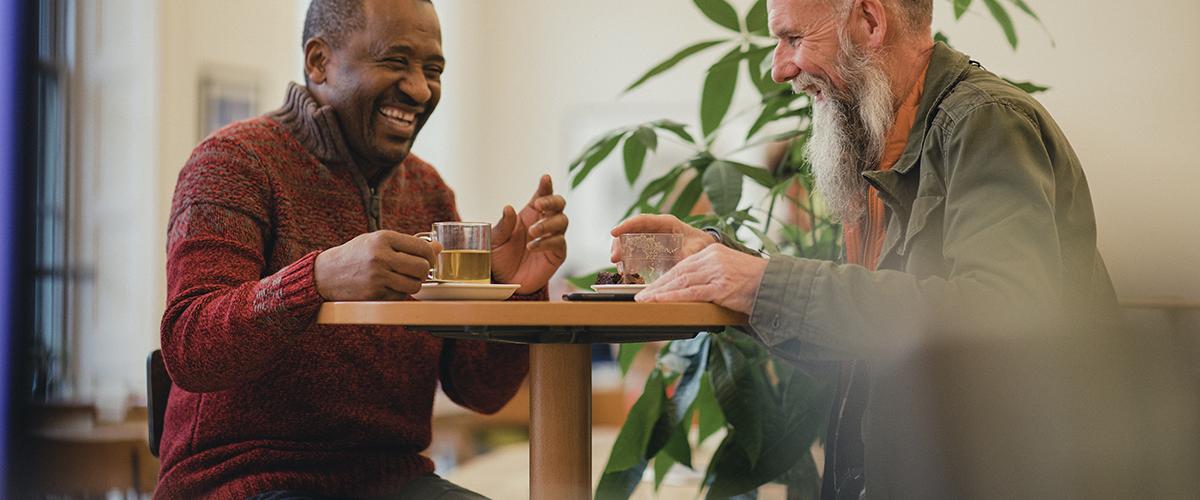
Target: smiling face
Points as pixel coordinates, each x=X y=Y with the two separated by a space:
x=808 y=34
x=383 y=81
x=852 y=99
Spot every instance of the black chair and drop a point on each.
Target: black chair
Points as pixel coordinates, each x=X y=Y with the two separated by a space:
x=158 y=389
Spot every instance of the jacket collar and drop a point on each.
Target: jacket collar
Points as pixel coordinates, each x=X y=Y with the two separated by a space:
x=947 y=67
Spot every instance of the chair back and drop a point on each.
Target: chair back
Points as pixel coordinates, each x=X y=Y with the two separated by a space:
x=158 y=389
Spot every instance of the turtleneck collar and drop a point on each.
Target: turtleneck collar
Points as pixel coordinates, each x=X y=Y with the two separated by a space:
x=314 y=126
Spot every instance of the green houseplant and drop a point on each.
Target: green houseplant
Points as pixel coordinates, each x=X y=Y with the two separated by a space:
x=771 y=411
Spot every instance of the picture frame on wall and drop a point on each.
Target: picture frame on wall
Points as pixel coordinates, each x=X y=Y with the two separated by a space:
x=226 y=96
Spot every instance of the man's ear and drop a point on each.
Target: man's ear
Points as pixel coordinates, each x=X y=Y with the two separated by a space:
x=873 y=23
x=316 y=57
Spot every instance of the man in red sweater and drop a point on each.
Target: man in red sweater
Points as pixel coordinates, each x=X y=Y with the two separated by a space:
x=313 y=202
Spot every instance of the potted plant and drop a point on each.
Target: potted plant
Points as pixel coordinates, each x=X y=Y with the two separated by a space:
x=770 y=410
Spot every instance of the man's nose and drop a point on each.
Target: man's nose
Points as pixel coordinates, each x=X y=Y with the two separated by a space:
x=416 y=87
x=783 y=69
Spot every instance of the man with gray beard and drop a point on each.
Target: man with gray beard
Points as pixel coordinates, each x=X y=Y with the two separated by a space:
x=967 y=216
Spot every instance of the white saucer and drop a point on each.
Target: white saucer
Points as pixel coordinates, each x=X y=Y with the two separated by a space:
x=619 y=289
x=465 y=291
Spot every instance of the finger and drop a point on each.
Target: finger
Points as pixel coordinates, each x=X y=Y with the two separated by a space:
x=550 y=204
x=673 y=280
x=703 y=293
x=647 y=223
x=407 y=244
x=403 y=285
x=550 y=226
x=686 y=272
x=387 y=294
x=614 y=251
x=410 y=266
x=556 y=245
x=503 y=230
x=545 y=187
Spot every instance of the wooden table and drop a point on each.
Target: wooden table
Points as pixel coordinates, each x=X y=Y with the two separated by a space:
x=560 y=370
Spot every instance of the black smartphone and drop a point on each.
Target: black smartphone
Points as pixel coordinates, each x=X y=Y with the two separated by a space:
x=598 y=297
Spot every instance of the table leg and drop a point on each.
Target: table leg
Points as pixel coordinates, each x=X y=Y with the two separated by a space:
x=560 y=427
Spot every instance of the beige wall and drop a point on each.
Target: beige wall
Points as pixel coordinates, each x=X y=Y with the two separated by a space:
x=1124 y=90
x=534 y=74
x=136 y=118
x=258 y=41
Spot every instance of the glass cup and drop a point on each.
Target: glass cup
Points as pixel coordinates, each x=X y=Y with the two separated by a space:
x=466 y=251
x=650 y=255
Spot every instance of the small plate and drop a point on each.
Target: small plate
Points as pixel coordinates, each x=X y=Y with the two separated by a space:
x=465 y=291
x=619 y=289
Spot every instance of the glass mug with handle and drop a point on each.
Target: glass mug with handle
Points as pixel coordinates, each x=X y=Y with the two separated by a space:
x=466 y=252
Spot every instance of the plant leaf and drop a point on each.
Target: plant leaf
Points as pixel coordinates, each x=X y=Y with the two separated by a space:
x=760 y=175
x=662 y=464
x=711 y=417
x=593 y=159
x=1002 y=18
x=647 y=136
x=720 y=12
x=1029 y=87
x=960 y=8
x=739 y=392
x=688 y=197
x=635 y=157
x=717 y=95
x=1025 y=8
x=620 y=484
x=755 y=60
x=756 y=18
x=768 y=244
x=585 y=282
x=782 y=136
x=629 y=450
x=723 y=183
x=687 y=52
x=626 y=353
x=679 y=129
x=656 y=187
x=941 y=37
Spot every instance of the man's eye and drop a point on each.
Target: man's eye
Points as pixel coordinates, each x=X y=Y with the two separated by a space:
x=794 y=41
x=397 y=61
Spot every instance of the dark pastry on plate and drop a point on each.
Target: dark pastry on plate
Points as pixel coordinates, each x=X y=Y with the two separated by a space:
x=608 y=279
x=619 y=279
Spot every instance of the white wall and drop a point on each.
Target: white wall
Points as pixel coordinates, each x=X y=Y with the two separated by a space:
x=533 y=73
x=136 y=119
x=114 y=308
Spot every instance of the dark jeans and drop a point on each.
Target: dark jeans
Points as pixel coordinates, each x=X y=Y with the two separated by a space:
x=429 y=487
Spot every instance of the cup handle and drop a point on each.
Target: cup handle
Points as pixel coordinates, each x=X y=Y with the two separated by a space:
x=430 y=237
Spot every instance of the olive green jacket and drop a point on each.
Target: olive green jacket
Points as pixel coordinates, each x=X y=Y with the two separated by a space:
x=990 y=223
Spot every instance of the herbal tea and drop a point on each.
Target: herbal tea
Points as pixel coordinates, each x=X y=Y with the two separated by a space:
x=467 y=266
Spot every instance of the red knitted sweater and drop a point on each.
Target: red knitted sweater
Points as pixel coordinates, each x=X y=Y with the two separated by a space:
x=264 y=398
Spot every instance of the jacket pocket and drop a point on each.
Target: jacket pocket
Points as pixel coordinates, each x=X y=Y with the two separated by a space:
x=923 y=208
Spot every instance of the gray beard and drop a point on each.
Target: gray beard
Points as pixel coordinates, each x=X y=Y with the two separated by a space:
x=849 y=131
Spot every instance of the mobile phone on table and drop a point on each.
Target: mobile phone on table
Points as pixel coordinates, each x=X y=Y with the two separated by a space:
x=598 y=297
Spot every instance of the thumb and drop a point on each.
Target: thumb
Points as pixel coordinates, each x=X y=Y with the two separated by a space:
x=503 y=230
